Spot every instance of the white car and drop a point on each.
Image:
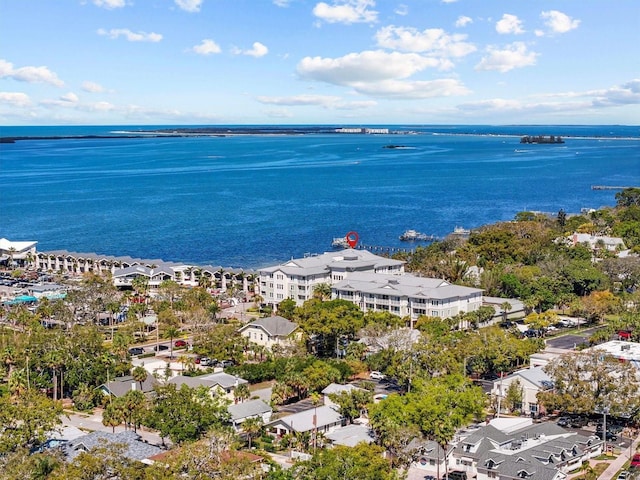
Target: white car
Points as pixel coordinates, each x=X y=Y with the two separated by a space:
x=375 y=375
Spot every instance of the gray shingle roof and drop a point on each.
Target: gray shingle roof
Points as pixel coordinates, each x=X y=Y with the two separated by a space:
x=121 y=385
x=275 y=326
x=134 y=448
x=250 y=408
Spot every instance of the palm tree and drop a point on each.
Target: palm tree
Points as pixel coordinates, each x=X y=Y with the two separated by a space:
x=252 y=427
x=241 y=392
x=171 y=332
x=140 y=375
x=505 y=306
x=322 y=291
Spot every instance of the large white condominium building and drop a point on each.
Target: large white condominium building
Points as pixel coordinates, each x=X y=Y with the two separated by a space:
x=407 y=295
x=372 y=282
x=297 y=278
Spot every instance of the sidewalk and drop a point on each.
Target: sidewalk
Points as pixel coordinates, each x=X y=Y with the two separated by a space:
x=620 y=460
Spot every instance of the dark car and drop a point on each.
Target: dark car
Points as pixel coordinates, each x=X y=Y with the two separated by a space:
x=578 y=422
x=564 y=421
x=136 y=351
x=158 y=348
x=225 y=364
x=180 y=343
x=610 y=436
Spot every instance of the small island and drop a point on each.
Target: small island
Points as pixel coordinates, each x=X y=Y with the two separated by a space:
x=541 y=139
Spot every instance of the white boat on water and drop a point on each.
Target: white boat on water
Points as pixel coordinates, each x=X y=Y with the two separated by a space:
x=340 y=242
x=461 y=231
x=414 y=235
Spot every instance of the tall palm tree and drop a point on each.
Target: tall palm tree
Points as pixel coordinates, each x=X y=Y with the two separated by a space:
x=140 y=375
x=252 y=427
x=171 y=332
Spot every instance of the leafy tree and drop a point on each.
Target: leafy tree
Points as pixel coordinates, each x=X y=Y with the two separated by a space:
x=286 y=308
x=26 y=419
x=513 y=396
x=185 y=414
x=589 y=382
x=628 y=197
x=364 y=462
x=352 y=403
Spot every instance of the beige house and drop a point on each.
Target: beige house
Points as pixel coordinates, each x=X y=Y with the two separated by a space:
x=270 y=331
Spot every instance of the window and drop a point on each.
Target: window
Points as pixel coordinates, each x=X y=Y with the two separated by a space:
x=279 y=276
x=280 y=286
x=280 y=296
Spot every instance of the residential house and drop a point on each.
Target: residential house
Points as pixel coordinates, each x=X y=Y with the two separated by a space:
x=249 y=409
x=119 y=386
x=429 y=457
x=336 y=388
x=351 y=435
x=221 y=384
x=270 y=331
x=324 y=419
x=531 y=381
x=133 y=447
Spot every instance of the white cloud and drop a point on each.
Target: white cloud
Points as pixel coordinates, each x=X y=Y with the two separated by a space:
x=449 y=1
x=115 y=33
x=29 y=74
x=509 y=24
x=401 y=10
x=431 y=40
x=559 y=22
x=282 y=3
x=16 y=99
x=92 y=87
x=625 y=94
x=463 y=21
x=258 y=50
x=207 y=47
x=368 y=66
x=326 y=101
x=109 y=4
x=346 y=11
x=69 y=97
x=379 y=73
x=192 y=6
x=512 y=56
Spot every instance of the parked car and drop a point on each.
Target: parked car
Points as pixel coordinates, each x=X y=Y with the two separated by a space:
x=564 y=421
x=224 y=364
x=180 y=343
x=624 y=475
x=578 y=422
x=635 y=461
x=158 y=348
x=136 y=351
x=207 y=362
x=610 y=436
x=376 y=375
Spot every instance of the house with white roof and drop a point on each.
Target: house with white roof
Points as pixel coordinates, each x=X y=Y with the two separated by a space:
x=594 y=242
x=297 y=278
x=531 y=381
x=407 y=295
x=270 y=331
x=336 y=388
x=324 y=418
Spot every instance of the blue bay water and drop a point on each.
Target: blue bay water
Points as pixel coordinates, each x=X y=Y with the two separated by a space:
x=250 y=201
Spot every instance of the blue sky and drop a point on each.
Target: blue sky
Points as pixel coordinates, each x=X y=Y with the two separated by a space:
x=111 y=62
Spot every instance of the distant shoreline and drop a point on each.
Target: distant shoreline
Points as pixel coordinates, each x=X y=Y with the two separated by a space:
x=190 y=132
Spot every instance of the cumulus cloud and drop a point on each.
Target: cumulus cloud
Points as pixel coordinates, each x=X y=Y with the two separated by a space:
x=463 y=21
x=367 y=66
x=69 y=97
x=626 y=94
x=115 y=33
x=379 y=73
x=258 y=50
x=68 y=100
x=15 y=99
x=559 y=22
x=109 y=4
x=92 y=87
x=192 y=6
x=509 y=24
x=346 y=11
x=432 y=40
x=29 y=74
x=503 y=60
x=206 y=47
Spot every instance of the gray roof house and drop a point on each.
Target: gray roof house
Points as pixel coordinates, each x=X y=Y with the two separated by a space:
x=336 y=388
x=540 y=451
x=219 y=383
x=351 y=435
x=121 y=385
x=240 y=412
x=324 y=419
x=133 y=447
x=269 y=331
